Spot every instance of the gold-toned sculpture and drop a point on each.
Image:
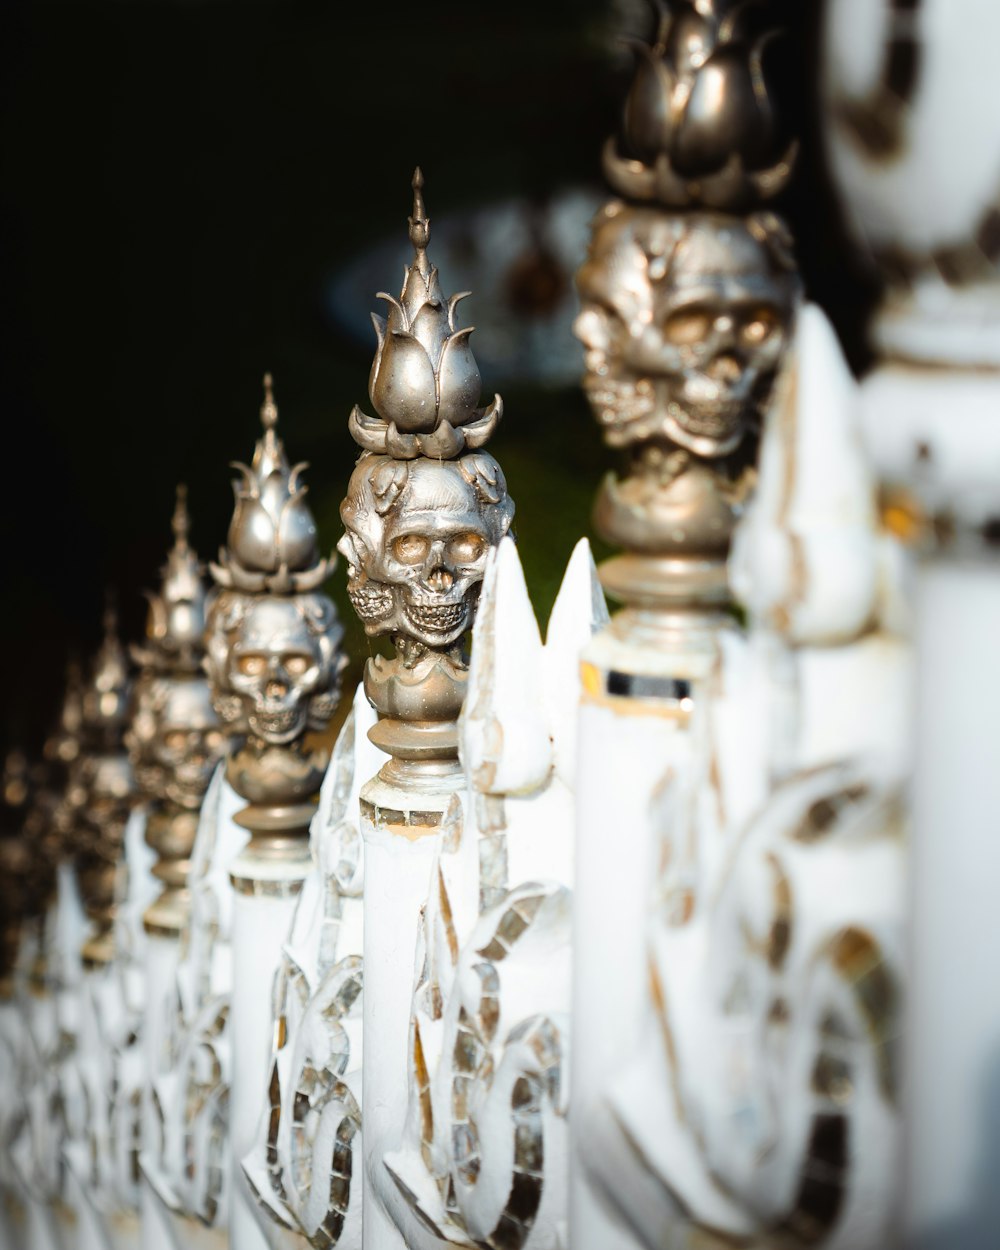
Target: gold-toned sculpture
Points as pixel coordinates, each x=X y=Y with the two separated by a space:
x=274 y=661
x=688 y=296
x=175 y=738
x=685 y=306
x=424 y=508
x=272 y=641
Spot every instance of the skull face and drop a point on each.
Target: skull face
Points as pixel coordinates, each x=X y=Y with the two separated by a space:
x=105 y=809
x=188 y=744
x=418 y=537
x=279 y=665
x=684 y=320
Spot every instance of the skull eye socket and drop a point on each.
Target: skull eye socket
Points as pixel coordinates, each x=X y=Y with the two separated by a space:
x=213 y=740
x=175 y=740
x=297 y=665
x=411 y=548
x=759 y=327
x=252 y=665
x=466 y=548
x=687 y=326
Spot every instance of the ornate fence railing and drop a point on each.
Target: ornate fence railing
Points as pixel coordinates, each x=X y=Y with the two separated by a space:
x=673 y=929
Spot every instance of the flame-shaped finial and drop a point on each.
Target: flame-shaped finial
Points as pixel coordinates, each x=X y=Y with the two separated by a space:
x=268 y=409
x=180 y=522
x=424 y=382
x=272 y=537
x=105 y=699
x=176 y=619
x=420 y=225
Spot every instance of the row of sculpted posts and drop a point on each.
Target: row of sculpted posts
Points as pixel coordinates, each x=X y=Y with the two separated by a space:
x=604 y=941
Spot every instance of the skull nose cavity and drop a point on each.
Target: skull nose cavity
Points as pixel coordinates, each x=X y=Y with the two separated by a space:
x=275 y=689
x=440 y=580
x=725 y=369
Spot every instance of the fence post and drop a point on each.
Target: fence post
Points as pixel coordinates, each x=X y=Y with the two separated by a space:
x=914 y=142
x=274 y=662
x=687 y=294
x=99 y=1031
x=305 y=1169
x=424 y=508
x=175 y=742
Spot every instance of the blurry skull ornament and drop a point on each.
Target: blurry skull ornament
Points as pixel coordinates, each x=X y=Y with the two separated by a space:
x=418 y=536
x=684 y=318
x=272 y=663
x=175 y=739
x=189 y=741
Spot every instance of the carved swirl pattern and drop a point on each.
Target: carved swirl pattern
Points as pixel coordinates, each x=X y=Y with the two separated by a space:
x=206 y=1116
x=315 y=1119
x=765 y=1107
x=485 y=1073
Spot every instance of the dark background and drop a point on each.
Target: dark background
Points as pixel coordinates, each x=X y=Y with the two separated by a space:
x=180 y=182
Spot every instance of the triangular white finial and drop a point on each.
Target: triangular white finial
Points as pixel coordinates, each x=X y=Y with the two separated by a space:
x=579 y=611
x=805 y=558
x=504 y=731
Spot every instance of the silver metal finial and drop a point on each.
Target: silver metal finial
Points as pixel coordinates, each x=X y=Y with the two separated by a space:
x=420 y=225
x=424 y=508
x=269 y=409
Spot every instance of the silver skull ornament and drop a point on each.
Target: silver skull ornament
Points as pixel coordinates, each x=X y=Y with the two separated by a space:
x=273 y=663
x=418 y=535
x=684 y=318
x=189 y=741
x=174 y=739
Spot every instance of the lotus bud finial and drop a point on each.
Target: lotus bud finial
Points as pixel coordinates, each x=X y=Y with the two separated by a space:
x=176 y=618
x=272 y=537
x=424 y=383
x=699 y=128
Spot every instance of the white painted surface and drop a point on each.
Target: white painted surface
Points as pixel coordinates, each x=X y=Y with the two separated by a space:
x=953 y=1082
x=397 y=873
x=321 y=960
x=935 y=431
x=490 y=1001
x=190 y=1178
x=161 y=958
x=260 y=927
x=933 y=187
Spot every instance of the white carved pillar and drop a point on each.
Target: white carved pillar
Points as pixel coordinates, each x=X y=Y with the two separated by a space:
x=185 y=1168
x=914 y=141
x=274 y=663
x=687 y=295
x=175 y=742
x=484 y=1157
x=305 y=1169
x=759 y=1102
x=99 y=1028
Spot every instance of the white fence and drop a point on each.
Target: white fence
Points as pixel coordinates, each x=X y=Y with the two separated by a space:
x=676 y=929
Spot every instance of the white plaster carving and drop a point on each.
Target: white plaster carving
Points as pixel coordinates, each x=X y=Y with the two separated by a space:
x=305 y=1168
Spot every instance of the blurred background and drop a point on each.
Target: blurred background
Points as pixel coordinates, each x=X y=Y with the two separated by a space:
x=196 y=192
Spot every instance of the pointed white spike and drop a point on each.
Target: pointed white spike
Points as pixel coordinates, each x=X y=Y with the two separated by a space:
x=504 y=732
x=579 y=611
x=354 y=759
x=805 y=559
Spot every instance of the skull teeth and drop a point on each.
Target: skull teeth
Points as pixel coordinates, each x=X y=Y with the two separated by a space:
x=371 y=602
x=437 y=618
x=275 y=722
x=714 y=423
